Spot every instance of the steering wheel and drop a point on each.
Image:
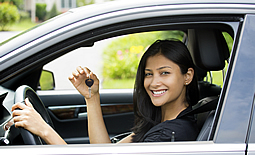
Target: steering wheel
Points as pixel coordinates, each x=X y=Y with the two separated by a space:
x=21 y=94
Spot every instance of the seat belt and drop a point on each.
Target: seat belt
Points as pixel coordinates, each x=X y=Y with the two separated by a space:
x=209 y=106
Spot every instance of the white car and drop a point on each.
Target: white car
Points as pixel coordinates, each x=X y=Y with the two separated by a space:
x=227 y=128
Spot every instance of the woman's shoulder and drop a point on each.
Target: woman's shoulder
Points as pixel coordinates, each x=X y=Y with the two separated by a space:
x=173 y=130
x=179 y=129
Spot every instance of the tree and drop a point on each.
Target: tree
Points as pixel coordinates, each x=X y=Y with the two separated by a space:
x=18 y=3
x=8 y=14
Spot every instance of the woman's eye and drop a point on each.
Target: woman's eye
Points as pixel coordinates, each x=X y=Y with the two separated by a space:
x=163 y=73
x=148 y=74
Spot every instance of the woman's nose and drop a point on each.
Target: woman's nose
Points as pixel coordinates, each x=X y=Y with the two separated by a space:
x=155 y=81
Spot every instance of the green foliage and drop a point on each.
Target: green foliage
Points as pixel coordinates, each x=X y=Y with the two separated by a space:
x=41 y=11
x=24 y=15
x=229 y=40
x=17 y=3
x=121 y=57
x=8 y=14
x=84 y=2
x=22 y=25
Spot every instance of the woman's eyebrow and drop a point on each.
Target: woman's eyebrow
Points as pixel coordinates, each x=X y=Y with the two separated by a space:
x=146 y=69
x=163 y=67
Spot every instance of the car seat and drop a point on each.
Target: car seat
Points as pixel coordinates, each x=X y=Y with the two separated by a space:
x=209 y=51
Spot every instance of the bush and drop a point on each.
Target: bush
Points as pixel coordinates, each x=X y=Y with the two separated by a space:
x=41 y=11
x=24 y=15
x=17 y=3
x=8 y=14
x=121 y=57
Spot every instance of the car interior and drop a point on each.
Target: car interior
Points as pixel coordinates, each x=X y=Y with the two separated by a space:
x=209 y=51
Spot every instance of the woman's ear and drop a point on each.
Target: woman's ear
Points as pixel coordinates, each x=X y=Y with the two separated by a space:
x=189 y=76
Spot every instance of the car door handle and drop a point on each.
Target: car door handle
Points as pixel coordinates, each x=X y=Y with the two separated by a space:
x=82 y=115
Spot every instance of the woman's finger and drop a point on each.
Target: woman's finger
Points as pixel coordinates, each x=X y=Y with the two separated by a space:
x=80 y=70
x=20 y=124
x=28 y=103
x=87 y=71
x=16 y=113
x=18 y=119
x=8 y=125
x=92 y=75
x=75 y=74
x=18 y=105
x=71 y=78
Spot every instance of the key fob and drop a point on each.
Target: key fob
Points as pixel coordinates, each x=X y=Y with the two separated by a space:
x=89 y=82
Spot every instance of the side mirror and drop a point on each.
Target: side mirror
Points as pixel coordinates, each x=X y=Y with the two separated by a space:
x=47 y=81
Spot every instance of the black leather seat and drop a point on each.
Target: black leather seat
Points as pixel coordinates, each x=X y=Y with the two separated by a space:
x=205 y=131
x=206 y=88
x=209 y=51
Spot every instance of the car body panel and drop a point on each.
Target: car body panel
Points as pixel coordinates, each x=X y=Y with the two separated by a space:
x=240 y=91
x=180 y=148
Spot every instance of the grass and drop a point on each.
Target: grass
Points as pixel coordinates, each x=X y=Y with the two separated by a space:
x=21 y=25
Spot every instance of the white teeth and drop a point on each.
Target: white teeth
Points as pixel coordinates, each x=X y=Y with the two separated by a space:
x=158 y=92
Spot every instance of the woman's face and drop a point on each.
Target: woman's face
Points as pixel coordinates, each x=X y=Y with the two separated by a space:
x=164 y=81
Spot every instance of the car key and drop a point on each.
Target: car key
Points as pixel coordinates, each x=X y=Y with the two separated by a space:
x=89 y=82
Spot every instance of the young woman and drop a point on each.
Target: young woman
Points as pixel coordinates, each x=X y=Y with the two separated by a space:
x=165 y=89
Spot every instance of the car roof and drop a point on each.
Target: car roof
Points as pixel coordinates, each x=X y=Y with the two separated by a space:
x=89 y=11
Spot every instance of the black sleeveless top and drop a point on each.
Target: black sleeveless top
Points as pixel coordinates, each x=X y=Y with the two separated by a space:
x=183 y=128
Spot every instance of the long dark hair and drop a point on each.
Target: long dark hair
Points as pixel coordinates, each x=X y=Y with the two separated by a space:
x=146 y=114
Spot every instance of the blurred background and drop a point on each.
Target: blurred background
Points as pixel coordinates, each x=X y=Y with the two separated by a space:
x=19 y=15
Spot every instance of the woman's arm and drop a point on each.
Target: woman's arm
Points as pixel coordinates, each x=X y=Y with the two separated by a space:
x=96 y=126
x=31 y=120
x=127 y=139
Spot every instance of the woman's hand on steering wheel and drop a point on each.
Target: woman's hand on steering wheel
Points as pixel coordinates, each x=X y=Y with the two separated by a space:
x=27 y=117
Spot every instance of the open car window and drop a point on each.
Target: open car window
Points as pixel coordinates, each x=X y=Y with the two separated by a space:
x=114 y=60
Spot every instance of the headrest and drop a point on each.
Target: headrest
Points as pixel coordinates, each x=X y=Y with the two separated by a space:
x=201 y=73
x=208 y=48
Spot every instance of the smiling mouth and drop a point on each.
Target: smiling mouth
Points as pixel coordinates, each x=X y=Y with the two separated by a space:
x=158 y=92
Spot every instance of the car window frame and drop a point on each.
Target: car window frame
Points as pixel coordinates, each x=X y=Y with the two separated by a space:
x=84 y=39
x=233 y=78
x=234 y=24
